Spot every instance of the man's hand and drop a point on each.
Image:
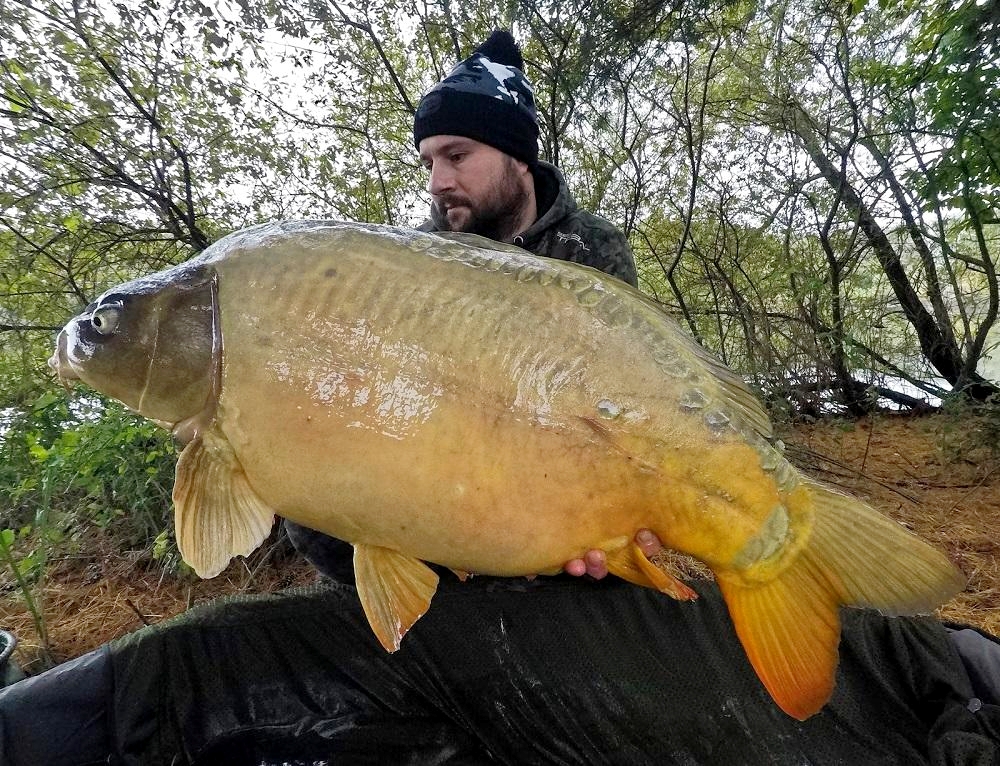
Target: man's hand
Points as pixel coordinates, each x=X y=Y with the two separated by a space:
x=595 y=563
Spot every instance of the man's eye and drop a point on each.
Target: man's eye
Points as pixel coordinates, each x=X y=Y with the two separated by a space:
x=456 y=158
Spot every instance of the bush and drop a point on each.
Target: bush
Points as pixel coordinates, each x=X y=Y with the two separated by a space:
x=968 y=430
x=71 y=461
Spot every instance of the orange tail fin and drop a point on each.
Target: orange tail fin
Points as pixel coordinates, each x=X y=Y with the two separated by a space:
x=790 y=626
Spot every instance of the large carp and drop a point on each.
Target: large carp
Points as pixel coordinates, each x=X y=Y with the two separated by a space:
x=448 y=399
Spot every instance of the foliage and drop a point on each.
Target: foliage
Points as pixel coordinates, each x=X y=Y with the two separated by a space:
x=952 y=71
x=24 y=569
x=67 y=464
x=822 y=82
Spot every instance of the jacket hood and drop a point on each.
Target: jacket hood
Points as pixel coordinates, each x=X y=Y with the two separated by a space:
x=553 y=199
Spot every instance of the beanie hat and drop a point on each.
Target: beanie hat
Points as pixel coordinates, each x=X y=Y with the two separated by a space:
x=486 y=98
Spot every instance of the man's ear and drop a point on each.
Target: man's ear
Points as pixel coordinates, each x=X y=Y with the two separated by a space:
x=523 y=168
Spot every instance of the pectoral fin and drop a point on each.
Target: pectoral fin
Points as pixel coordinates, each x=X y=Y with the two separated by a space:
x=631 y=564
x=217 y=515
x=395 y=590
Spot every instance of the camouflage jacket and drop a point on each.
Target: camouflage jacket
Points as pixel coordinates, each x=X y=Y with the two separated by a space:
x=565 y=232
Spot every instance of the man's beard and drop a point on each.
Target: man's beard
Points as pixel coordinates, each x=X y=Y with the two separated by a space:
x=497 y=217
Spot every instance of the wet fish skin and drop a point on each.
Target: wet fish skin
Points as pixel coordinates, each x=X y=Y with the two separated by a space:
x=449 y=399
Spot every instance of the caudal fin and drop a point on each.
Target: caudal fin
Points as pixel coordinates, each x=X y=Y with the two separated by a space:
x=855 y=556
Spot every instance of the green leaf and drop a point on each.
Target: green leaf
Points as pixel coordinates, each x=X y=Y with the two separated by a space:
x=28 y=565
x=75 y=189
x=72 y=221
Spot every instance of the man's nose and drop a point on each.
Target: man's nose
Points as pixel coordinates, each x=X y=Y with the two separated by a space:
x=442 y=179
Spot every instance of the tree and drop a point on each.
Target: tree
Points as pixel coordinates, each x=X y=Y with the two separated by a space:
x=872 y=155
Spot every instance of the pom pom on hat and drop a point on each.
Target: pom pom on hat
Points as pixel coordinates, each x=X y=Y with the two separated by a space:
x=486 y=98
x=501 y=48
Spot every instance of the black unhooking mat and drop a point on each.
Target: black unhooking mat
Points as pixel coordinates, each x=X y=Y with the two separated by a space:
x=517 y=672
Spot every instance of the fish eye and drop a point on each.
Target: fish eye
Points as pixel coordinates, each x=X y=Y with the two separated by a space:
x=105 y=319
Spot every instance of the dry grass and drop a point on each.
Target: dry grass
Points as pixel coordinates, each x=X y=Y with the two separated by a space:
x=913 y=470
x=89 y=600
x=897 y=464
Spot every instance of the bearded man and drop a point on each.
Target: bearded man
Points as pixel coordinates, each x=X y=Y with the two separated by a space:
x=477 y=134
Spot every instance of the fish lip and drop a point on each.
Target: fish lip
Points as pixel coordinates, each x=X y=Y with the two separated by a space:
x=59 y=361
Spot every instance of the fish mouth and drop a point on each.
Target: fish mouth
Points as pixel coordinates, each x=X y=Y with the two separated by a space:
x=59 y=361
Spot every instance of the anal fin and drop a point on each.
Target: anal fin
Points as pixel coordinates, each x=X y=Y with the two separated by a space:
x=395 y=591
x=217 y=515
x=630 y=563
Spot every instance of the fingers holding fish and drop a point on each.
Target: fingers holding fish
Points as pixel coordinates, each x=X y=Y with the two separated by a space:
x=594 y=563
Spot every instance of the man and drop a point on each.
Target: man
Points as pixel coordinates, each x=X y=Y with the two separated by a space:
x=548 y=671
x=477 y=135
